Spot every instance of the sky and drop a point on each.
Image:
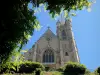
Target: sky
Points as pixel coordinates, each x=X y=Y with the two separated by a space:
x=86 y=29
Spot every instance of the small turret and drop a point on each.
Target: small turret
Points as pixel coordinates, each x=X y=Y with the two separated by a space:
x=68 y=24
x=58 y=23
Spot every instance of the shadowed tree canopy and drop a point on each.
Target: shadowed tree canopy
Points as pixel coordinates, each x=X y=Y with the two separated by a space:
x=17 y=22
x=56 y=6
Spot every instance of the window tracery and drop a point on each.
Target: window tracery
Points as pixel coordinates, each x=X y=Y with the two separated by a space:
x=48 y=56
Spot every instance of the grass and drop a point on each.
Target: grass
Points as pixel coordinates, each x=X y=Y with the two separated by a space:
x=57 y=73
x=42 y=73
x=53 y=73
x=47 y=73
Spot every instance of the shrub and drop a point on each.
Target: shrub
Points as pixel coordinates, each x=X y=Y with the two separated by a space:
x=47 y=68
x=87 y=72
x=8 y=67
x=72 y=68
x=24 y=67
x=38 y=71
x=60 y=69
x=97 y=70
x=29 y=67
x=56 y=73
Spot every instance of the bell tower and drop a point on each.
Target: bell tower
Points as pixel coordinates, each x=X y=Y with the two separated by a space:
x=67 y=45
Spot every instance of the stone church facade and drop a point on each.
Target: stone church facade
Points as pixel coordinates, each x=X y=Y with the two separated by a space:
x=54 y=50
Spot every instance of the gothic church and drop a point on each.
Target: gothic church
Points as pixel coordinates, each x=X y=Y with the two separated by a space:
x=54 y=50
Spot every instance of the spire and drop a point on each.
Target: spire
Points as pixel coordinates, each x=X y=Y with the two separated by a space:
x=58 y=23
x=62 y=19
x=68 y=21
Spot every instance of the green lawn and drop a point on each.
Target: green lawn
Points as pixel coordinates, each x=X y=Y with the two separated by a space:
x=52 y=73
x=42 y=73
x=48 y=73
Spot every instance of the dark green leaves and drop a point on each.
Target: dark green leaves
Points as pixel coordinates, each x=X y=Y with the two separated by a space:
x=16 y=25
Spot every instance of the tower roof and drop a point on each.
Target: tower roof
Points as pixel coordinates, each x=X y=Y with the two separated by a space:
x=62 y=19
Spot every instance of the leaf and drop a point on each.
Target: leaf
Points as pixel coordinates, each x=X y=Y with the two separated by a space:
x=89 y=9
x=40 y=4
x=89 y=4
x=65 y=14
x=56 y=15
x=73 y=14
x=39 y=10
x=38 y=27
x=74 y=7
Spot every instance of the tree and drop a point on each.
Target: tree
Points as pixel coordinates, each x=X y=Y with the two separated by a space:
x=56 y=6
x=17 y=22
x=73 y=68
x=97 y=71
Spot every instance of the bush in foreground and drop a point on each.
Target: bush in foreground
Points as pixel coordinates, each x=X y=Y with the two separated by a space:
x=72 y=68
x=60 y=69
x=97 y=71
x=24 y=67
x=29 y=67
x=8 y=67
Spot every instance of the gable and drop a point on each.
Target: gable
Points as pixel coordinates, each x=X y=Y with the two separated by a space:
x=47 y=34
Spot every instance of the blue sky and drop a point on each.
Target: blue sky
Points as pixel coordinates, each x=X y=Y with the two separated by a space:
x=86 y=29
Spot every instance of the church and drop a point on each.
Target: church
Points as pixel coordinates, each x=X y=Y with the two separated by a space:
x=54 y=50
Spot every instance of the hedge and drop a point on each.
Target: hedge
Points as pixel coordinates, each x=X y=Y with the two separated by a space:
x=72 y=68
x=60 y=69
x=97 y=71
x=24 y=67
x=8 y=67
x=29 y=67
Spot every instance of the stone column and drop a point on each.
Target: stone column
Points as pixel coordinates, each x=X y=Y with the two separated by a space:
x=34 y=54
x=61 y=55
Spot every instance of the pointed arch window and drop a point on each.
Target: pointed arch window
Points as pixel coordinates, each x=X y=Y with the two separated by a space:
x=63 y=34
x=48 y=56
x=66 y=53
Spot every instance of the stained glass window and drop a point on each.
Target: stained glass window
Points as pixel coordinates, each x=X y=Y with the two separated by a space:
x=48 y=56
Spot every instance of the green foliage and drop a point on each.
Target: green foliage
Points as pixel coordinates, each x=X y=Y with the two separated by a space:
x=18 y=56
x=47 y=68
x=97 y=71
x=60 y=69
x=16 y=25
x=87 y=71
x=29 y=67
x=38 y=71
x=73 y=68
x=24 y=67
x=56 y=73
x=56 y=6
x=8 y=67
x=90 y=74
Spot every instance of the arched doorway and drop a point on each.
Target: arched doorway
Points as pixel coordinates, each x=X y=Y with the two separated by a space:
x=48 y=56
